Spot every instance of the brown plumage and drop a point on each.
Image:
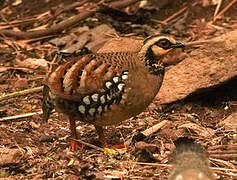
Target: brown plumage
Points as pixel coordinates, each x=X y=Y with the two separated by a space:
x=106 y=88
x=190 y=162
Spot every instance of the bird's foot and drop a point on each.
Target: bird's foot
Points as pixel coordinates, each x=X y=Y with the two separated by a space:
x=76 y=147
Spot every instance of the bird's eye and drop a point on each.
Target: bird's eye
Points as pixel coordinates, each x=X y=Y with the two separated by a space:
x=164 y=43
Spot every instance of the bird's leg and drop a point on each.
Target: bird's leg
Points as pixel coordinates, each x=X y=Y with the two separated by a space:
x=74 y=144
x=102 y=138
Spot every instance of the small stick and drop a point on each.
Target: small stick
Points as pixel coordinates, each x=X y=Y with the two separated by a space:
x=217 y=8
x=174 y=15
x=89 y=145
x=228 y=146
x=68 y=23
x=20 y=116
x=224 y=10
x=223 y=162
x=169 y=166
x=193 y=43
x=224 y=169
x=224 y=156
x=226 y=174
x=222 y=152
x=155 y=128
x=21 y=93
x=154 y=164
x=150 y=131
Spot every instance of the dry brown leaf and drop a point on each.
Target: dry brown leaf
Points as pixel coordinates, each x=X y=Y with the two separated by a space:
x=33 y=63
x=230 y=123
x=199 y=130
x=74 y=41
x=2 y=68
x=21 y=83
x=9 y=156
x=92 y=39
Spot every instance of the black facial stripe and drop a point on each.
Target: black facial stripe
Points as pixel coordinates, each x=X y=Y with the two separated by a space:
x=150 y=58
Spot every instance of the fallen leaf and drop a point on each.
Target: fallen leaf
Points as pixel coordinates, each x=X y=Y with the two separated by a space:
x=142 y=145
x=19 y=83
x=199 y=130
x=2 y=68
x=8 y=156
x=33 y=63
x=230 y=123
x=74 y=41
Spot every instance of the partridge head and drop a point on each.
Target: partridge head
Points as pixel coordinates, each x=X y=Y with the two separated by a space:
x=107 y=88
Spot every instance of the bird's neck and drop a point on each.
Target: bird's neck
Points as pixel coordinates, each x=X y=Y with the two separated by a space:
x=149 y=60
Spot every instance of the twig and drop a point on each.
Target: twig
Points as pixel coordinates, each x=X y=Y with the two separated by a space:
x=64 y=24
x=154 y=164
x=19 y=22
x=224 y=10
x=169 y=166
x=155 y=128
x=194 y=43
x=150 y=130
x=224 y=156
x=224 y=169
x=228 y=146
x=222 y=152
x=226 y=174
x=222 y=162
x=217 y=8
x=89 y=145
x=69 y=7
x=174 y=15
x=21 y=93
x=20 y=116
x=45 y=32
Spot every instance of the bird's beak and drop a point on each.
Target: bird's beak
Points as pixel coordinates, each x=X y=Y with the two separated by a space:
x=178 y=44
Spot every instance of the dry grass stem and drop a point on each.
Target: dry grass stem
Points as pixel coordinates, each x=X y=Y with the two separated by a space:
x=9 y=118
x=21 y=93
x=224 y=10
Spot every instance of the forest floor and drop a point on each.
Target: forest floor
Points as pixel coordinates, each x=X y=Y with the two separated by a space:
x=42 y=151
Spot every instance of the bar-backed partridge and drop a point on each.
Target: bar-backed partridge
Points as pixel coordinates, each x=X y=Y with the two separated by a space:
x=190 y=162
x=107 y=88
